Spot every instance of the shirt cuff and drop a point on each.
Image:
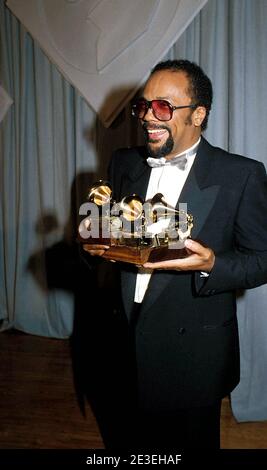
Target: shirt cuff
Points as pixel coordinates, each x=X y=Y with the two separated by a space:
x=204 y=274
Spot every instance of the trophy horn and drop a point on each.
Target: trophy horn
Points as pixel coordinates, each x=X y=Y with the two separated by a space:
x=100 y=193
x=160 y=208
x=131 y=207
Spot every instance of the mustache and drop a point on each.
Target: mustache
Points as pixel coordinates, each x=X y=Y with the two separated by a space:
x=147 y=126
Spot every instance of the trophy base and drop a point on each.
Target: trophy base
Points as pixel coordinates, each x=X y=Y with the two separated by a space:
x=140 y=255
x=164 y=253
x=136 y=253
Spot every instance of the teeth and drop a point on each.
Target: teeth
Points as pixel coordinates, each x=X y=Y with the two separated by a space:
x=154 y=131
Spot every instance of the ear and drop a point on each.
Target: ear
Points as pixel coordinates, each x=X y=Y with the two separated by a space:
x=199 y=115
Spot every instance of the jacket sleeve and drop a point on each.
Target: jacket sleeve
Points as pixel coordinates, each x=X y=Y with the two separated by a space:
x=245 y=266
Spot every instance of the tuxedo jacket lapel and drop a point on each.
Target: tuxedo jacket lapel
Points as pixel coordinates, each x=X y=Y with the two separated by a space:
x=199 y=201
x=136 y=181
x=198 y=192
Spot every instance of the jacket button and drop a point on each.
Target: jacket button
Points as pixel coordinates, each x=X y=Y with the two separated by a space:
x=181 y=331
x=211 y=292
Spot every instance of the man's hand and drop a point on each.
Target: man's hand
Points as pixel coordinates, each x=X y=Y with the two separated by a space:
x=95 y=250
x=200 y=259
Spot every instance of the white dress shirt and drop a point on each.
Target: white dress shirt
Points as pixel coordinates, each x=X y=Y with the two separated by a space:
x=169 y=181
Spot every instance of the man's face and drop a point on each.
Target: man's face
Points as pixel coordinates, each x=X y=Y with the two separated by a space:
x=169 y=138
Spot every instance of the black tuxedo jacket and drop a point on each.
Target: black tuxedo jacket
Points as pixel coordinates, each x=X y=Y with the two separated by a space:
x=187 y=347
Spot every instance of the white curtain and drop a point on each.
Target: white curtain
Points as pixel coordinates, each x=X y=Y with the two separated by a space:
x=53 y=145
x=43 y=147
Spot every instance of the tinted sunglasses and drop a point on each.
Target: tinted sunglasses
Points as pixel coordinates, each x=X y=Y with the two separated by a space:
x=161 y=109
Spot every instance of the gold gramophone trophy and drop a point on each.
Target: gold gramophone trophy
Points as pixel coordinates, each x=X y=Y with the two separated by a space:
x=136 y=231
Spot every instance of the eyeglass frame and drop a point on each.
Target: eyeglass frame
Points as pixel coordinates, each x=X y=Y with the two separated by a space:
x=171 y=107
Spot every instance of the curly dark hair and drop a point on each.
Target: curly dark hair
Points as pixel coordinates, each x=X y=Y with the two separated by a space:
x=200 y=88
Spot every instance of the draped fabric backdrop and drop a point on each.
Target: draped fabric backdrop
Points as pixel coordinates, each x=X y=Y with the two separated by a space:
x=53 y=147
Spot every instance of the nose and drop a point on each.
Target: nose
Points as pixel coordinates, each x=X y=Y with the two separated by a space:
x=149 y=115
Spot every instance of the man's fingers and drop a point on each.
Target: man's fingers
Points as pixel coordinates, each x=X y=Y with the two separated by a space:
x=170 y=264
x=87 y=247
x=194 y=246
x=95 y=250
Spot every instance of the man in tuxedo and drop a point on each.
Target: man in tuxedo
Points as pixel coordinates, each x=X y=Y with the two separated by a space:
x=182 y=312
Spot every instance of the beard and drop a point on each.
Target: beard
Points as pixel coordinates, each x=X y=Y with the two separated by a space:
x=167 y=147
x=162 y=151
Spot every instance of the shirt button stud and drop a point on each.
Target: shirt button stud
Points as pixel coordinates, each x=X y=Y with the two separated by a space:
x=181 y=331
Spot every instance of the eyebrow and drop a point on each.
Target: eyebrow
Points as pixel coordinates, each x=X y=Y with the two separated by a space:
x=165 y=98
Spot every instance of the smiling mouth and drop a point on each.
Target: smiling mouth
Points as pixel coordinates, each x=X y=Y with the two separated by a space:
x=154 y=135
